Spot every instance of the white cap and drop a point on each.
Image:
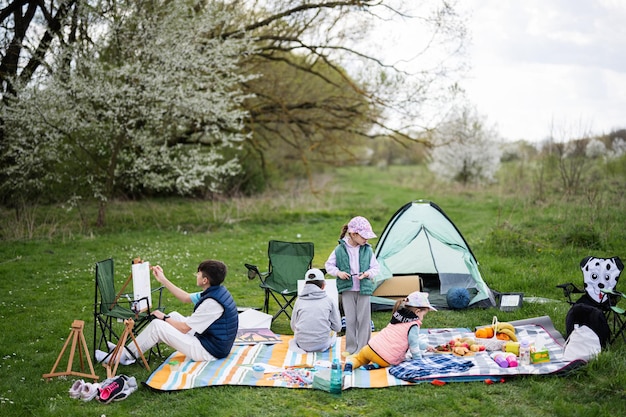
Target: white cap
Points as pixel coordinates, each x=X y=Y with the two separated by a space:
x=314 y=275
x=419 y=299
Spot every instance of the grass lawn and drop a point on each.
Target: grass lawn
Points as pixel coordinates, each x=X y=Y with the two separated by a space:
x=522 y=244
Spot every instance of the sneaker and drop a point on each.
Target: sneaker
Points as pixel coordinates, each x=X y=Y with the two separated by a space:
x=347 y=368
x=107 y=392
x=371 y=366
x=76 y=388
x=89 y=391
x=130 y=386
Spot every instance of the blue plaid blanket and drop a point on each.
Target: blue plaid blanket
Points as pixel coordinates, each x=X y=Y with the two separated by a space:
x=437 y=364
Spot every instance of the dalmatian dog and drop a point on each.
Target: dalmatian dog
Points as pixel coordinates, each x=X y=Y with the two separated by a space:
x=600 y=274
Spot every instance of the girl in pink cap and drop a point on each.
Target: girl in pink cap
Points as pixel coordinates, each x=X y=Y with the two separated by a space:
x=391 y=344
x=355 y=266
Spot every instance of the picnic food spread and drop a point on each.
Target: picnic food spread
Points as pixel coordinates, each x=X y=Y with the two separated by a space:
x=461 y=346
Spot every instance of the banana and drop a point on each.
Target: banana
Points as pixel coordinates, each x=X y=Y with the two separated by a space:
x=505 y=325
x=509 y=333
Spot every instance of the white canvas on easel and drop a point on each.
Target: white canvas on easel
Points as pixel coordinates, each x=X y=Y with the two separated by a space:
x=141 y=285
x=330 y=288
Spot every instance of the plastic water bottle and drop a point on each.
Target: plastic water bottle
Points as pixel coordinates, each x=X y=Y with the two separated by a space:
x=336 y=377
x=524 y=353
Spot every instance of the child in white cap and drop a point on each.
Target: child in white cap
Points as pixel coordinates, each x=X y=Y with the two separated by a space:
x=355 y=266
x=401 y=335
x=315 y=320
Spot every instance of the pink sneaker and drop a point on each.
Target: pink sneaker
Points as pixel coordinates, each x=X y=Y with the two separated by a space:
x=107 y=392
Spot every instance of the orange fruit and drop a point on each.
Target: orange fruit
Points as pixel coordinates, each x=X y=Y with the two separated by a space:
x=484 y=333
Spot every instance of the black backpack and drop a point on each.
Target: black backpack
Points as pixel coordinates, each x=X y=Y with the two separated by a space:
x=585 y=314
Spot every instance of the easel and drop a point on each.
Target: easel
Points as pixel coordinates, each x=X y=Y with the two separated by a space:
x=116 y=355
x=75 y=335
x=121 y=291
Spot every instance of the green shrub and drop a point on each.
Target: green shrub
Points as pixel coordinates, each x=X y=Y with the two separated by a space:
x=582 y=236
x=506 y=241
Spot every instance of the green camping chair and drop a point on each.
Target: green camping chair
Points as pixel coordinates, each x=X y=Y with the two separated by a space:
x=111 y=309
x=288 y=263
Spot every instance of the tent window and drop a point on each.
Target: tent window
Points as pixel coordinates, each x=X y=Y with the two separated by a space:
x=455 y=280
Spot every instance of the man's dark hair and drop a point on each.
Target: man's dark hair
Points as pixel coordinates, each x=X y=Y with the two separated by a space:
x=214 y=271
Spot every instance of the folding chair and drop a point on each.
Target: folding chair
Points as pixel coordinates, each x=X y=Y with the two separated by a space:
x=600 y=277
x=111 y=309
x=288 y=262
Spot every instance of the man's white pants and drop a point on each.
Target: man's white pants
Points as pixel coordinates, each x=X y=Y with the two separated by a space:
x=159 y=331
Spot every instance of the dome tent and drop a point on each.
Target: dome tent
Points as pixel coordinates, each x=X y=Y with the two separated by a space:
x=420 y=239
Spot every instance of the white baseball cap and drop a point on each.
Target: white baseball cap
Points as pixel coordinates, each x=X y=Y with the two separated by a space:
x=314 y=274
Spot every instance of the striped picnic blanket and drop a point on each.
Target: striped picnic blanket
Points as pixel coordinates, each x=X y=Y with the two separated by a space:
x=282 y=367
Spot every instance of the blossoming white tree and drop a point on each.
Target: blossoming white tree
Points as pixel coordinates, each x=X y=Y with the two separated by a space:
x=595 y=148
x=465 y=149
x=333 y=74
x=134 y=100
x=105 y=98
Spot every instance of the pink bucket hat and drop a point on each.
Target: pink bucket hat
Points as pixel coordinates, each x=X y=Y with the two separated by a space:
x=418 y=299
x=361 y=226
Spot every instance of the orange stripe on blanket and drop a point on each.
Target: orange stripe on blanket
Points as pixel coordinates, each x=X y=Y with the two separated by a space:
x=277 y=359
x=279 y=353
x=380 y=378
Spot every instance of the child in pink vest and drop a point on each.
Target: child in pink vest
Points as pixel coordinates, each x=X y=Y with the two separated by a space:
x=401 y=335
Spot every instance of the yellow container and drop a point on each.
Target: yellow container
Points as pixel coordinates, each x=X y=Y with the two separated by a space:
x=512 y=347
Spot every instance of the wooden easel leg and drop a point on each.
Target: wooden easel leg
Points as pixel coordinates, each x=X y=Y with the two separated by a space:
x=75 y=334
x=70 y=362
x=143 y=358
x=85 y=351
x=116 y=355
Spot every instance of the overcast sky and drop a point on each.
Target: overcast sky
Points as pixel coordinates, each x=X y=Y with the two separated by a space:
x=542 y=63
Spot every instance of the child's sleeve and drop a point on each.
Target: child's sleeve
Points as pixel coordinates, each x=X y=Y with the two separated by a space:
x=331 y=264
x=417 y=344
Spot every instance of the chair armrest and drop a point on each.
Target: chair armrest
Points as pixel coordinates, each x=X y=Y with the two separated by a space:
x=614 y=296
x=149 y=310
x=613 y=292
x=569 y=289
x=253 y=272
